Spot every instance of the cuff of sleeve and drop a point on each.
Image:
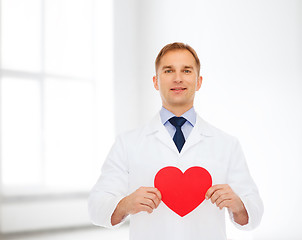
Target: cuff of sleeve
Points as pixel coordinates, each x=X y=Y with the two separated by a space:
x=111 y=209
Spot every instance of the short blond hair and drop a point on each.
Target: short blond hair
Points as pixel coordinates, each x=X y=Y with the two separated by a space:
x=177 y=46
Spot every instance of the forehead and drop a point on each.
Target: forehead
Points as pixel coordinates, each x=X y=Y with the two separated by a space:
x=178 y=57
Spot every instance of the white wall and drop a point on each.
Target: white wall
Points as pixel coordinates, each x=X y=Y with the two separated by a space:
x=46 y=213
x=251 y=56
x=31 y=208
x=126 y=85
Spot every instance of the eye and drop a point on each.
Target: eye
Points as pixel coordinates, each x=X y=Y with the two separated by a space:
x=187 y=71
x=168 y=71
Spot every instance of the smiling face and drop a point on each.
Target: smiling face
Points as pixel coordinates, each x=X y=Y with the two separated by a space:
x=177 y=80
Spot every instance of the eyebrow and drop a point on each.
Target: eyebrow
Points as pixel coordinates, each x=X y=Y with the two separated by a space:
x=166 y=66
x=170 y=66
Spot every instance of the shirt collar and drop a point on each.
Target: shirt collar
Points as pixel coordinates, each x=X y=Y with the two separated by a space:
x=189 y=115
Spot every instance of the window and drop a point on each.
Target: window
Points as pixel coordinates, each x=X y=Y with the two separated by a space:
x=53 y=56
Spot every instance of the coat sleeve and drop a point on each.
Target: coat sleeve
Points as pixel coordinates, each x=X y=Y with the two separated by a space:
x=241 y=182
x=111 y=186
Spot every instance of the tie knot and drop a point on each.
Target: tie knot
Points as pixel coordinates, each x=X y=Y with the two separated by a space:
x=177 y=121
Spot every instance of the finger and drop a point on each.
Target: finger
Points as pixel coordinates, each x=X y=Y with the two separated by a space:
x=215 y=196
x=145 y=208
x=155 y=191
x=213 y=189
x=225 y=203
x=148 y=202
x=154 y=198
x=158 y=193
x=222 y=198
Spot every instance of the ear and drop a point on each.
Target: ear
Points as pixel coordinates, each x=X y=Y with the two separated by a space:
x=155 y=82
x=199 y=82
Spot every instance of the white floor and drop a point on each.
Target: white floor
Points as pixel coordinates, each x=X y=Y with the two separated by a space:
x=94 y=233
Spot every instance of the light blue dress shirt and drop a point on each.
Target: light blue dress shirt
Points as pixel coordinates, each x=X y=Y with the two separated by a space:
x=189 y=115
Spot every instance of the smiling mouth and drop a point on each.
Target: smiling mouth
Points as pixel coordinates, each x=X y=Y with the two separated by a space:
x=178 y=89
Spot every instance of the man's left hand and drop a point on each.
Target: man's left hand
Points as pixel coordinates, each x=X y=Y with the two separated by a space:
x=223 y=196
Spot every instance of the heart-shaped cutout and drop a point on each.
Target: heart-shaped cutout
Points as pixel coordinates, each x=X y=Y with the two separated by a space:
x=183 y=192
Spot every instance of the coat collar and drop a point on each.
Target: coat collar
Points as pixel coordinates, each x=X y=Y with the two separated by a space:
x=200 y=131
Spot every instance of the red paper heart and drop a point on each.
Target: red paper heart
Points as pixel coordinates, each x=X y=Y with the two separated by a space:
x=183 y=192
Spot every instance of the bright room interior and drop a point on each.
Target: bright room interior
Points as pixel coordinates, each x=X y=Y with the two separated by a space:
x=76 y=73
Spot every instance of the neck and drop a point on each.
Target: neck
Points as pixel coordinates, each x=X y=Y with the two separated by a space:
x=178 y=110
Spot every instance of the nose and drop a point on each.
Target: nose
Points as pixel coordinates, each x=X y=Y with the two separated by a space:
x=178 y=77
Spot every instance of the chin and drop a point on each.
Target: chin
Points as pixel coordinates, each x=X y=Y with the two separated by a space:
x=179 y=104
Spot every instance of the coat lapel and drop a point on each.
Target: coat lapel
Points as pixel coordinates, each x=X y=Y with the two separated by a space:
x=160 y=132
x=200 y=131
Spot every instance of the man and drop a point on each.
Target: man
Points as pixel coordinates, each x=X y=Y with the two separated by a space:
x=176 y=137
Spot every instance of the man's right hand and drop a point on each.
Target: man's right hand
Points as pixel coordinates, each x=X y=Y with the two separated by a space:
x=143 y=199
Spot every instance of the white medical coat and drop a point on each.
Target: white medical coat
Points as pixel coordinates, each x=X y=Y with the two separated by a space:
x=138 y=155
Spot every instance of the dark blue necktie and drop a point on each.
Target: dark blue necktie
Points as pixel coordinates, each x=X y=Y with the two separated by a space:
x=178 y=138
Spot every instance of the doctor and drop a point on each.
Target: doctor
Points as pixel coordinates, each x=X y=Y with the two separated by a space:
x=177 y=137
